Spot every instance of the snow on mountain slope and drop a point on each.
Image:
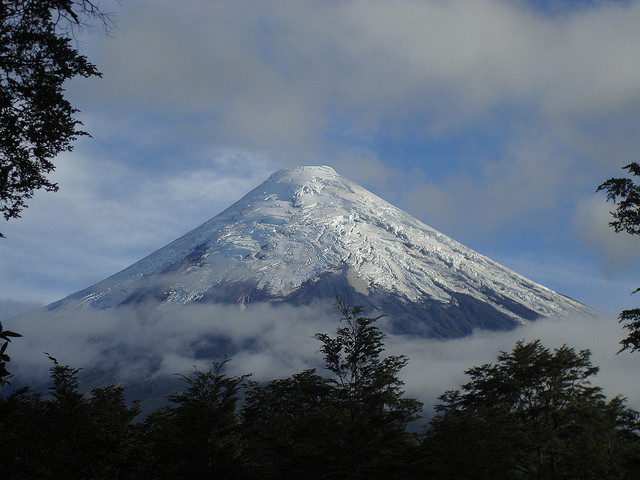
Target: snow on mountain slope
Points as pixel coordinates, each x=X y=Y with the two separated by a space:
x=309 y=232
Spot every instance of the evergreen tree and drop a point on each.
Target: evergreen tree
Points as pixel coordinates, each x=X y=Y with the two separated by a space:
x=110 y=447
x=66 y=430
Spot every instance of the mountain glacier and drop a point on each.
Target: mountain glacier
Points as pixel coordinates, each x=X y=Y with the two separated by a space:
x=308 y=233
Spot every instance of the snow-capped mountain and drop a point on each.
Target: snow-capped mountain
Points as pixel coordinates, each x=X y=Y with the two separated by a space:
x=308 y=233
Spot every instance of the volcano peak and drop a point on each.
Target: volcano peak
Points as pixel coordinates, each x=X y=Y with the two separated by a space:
x=308 y=233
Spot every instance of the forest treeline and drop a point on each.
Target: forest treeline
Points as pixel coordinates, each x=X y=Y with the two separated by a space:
x=532 y=414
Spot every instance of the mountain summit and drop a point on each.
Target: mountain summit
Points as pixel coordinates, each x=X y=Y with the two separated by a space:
x=308 y=233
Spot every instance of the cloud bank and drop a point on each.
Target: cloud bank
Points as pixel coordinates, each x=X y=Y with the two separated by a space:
x=282 y=72
x=135 y=348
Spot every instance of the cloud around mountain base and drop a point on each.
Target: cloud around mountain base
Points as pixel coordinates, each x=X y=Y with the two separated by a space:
x=132 y=347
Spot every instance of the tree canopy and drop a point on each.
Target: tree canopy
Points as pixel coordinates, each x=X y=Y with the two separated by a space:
x=198 y=436
x=625 y=193
x=373 y=412
x=37 y=56
x=533 y=414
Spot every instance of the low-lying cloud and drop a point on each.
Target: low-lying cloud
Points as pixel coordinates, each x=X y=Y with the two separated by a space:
x=133 y=347
x=436 y=366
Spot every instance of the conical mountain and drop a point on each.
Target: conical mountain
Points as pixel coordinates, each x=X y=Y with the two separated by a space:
x=308 y=233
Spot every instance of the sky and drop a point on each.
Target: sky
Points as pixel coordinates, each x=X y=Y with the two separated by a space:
x=493 y=121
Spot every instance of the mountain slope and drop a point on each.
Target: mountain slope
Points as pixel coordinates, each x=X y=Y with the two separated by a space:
x=309 y=233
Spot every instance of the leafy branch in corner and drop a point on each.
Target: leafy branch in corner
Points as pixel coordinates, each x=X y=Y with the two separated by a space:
x=38 y=54
x=5 y=335
x=626 y=195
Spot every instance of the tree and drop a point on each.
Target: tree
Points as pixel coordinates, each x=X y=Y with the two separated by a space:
x=287 y=428
x=66 y=432
x=37 y=122
x=69 y=435
x=198 y=436
x=371 y=412
x=110 y=448
x=532 y=415
x=626 y=194
x=22 y=417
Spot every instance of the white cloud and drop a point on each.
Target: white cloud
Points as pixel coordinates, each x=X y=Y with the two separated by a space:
x=275 y=342
x=10 y=308
x=523 y=188
x=368 y=170
x=437 y=366
x=281 y=73
x=621 y=251
x=310 y=80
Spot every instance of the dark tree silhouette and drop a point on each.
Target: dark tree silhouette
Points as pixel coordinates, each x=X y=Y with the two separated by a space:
x=531 y=415
x=198 y=436
x=371 y=411
x=37 y=122
x=626 y=195
x=287 y=428
x=6 y=336
x=67 y=435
